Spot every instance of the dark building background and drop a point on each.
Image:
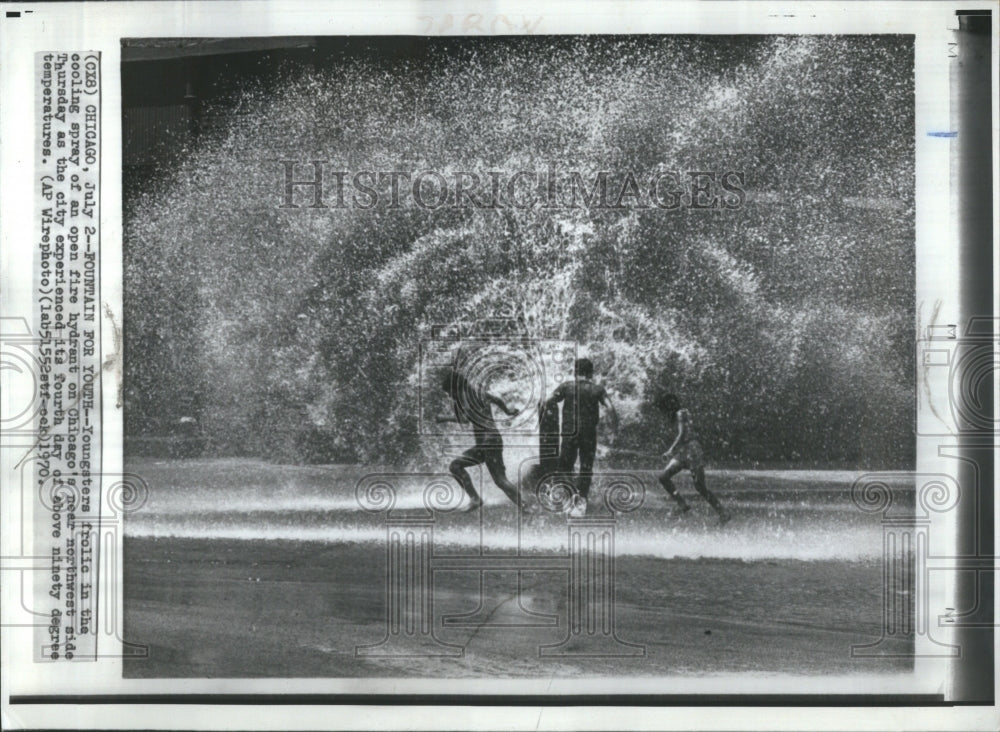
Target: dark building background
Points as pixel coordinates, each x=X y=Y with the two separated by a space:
x=174 y=90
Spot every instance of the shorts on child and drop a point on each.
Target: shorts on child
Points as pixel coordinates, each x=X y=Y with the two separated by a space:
x=690 y=455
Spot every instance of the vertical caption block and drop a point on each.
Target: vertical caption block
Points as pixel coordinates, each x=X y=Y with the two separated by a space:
x=67 y=453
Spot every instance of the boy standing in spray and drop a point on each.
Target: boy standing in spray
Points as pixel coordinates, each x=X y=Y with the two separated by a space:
x=582 y=400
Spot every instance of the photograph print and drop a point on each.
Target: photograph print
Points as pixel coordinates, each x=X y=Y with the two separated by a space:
x=518 y=357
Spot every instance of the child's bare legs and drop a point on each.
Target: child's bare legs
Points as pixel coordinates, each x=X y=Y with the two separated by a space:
x=698 y=474
x=458 y=469
x=493 y=458
x=499 y=475
x=699 y=485
x=672 y=469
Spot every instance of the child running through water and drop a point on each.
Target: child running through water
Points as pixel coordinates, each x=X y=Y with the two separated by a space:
x=685 y=452
x=472 y=405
